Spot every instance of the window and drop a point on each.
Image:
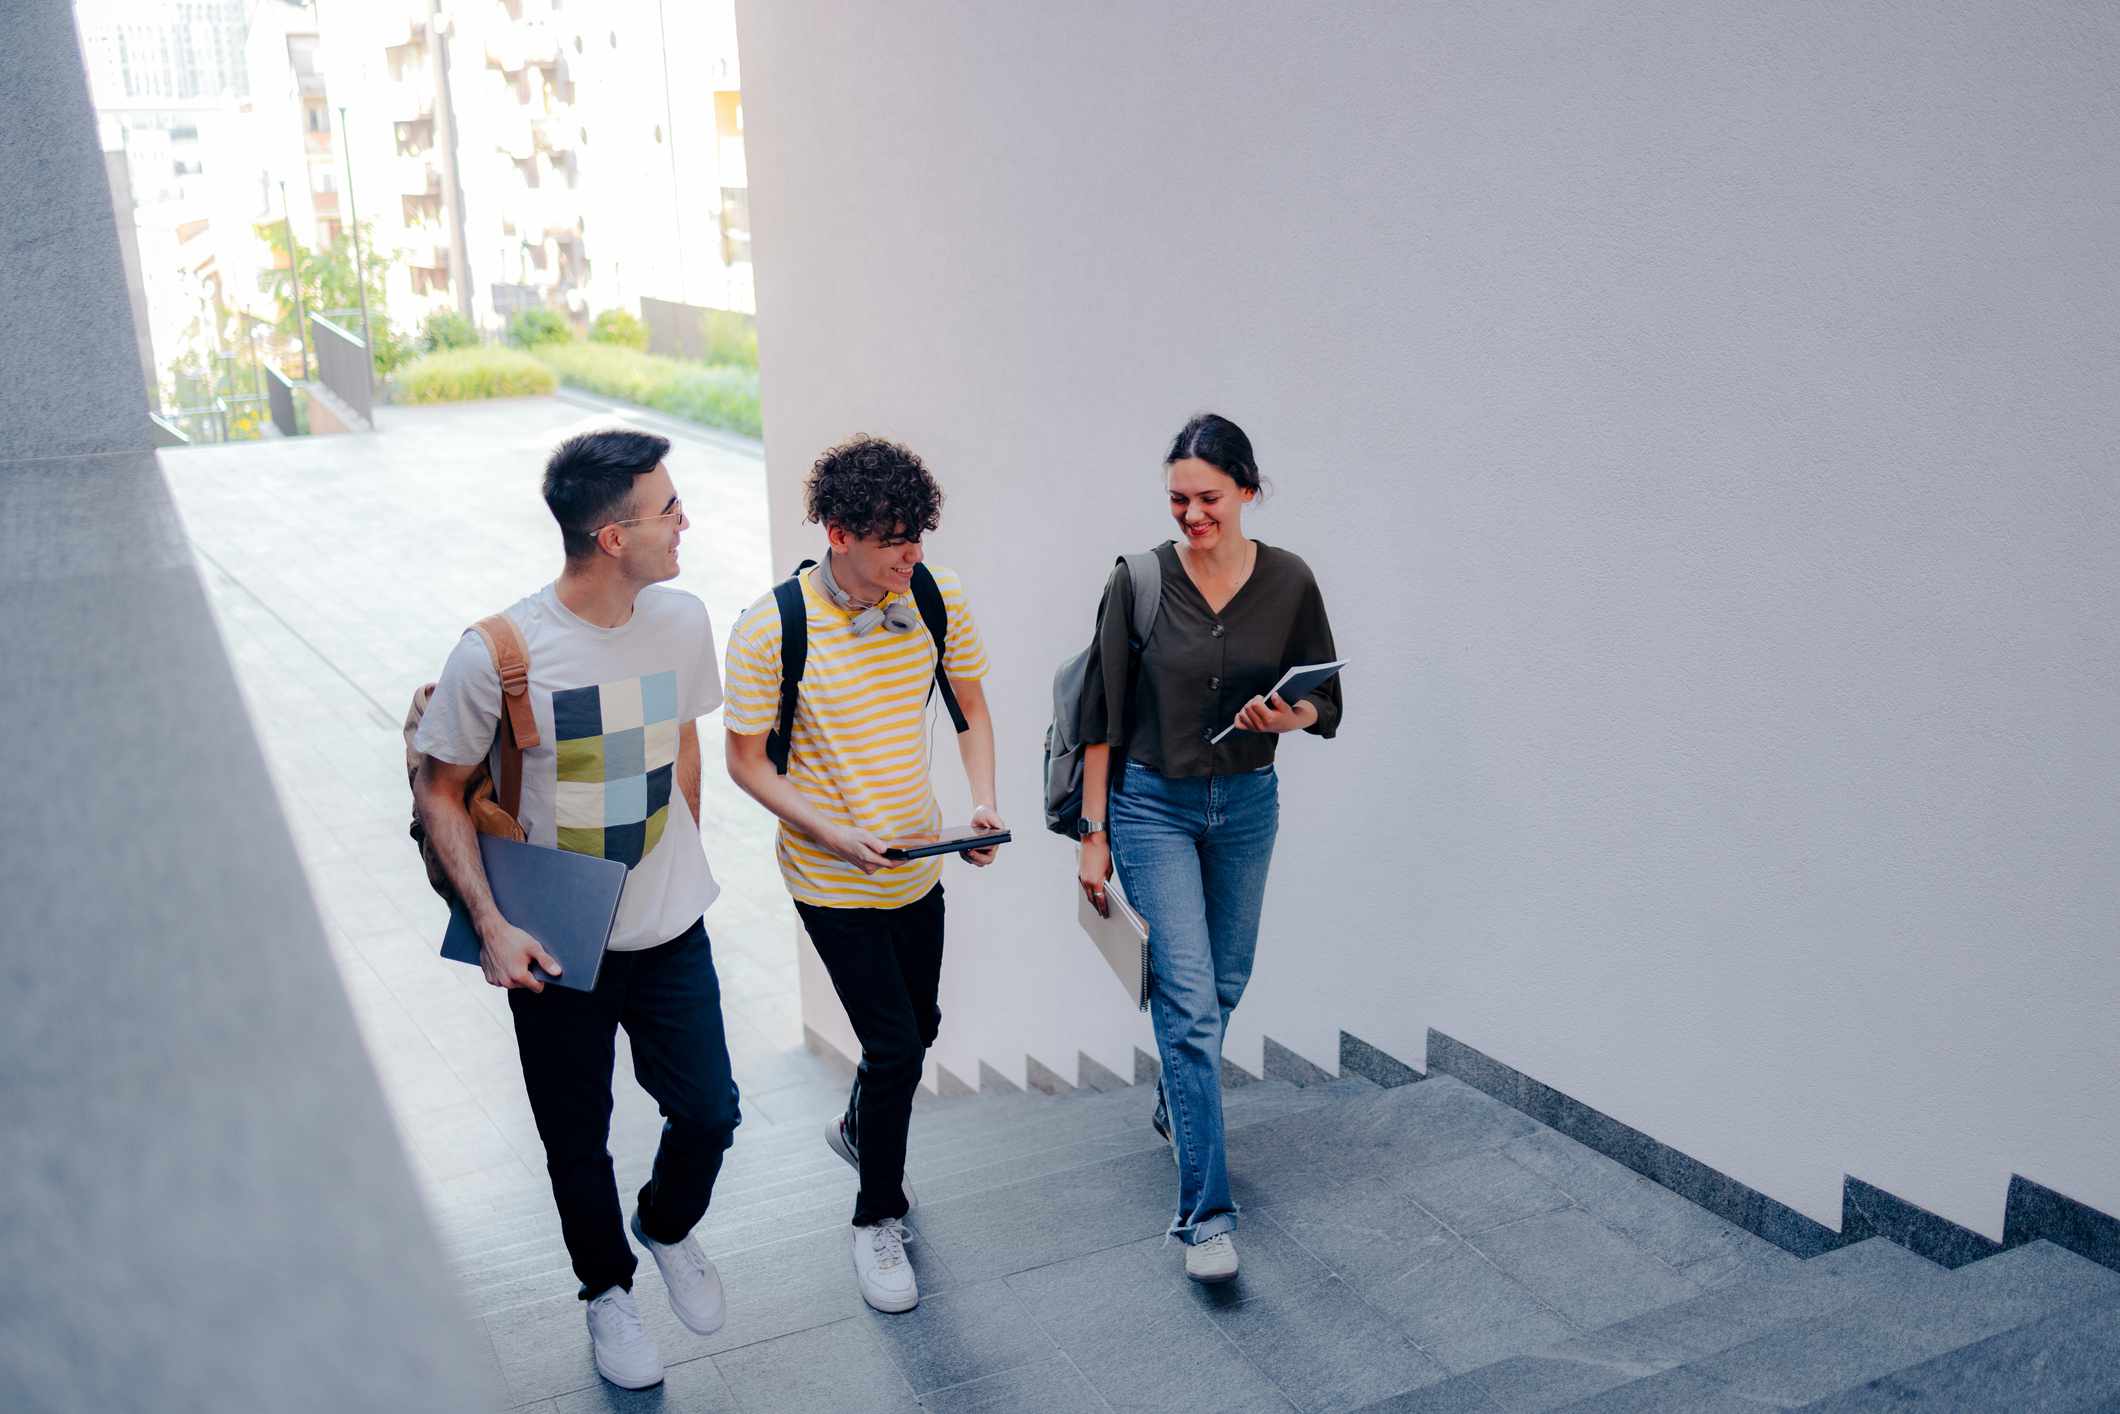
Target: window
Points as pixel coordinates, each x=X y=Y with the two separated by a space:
x=735 y=225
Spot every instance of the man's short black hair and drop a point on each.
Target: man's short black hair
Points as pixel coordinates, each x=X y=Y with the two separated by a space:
x=872 y=487
x=589 y=478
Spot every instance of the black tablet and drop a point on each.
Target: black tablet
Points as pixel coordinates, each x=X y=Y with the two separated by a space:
x=954 y=840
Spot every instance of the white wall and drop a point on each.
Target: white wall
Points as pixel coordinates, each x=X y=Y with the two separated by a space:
x=1703 y=427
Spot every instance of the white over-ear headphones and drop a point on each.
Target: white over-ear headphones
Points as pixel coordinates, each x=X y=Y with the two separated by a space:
x=896 y=615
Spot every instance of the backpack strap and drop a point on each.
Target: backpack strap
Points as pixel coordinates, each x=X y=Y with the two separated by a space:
x=794 y=653
x=518 y=725
x=928 y=595
x=1145 y=572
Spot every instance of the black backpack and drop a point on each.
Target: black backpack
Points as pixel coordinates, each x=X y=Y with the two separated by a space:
x=795 y=652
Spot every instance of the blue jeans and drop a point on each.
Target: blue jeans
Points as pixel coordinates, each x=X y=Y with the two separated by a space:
x=1191 y=853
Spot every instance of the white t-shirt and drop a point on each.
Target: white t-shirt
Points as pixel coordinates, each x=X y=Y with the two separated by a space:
x=602 y=779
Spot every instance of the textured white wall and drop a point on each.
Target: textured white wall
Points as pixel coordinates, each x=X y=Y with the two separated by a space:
x=1703 y=426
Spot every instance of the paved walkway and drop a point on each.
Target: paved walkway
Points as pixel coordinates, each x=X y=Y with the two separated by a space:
x=342 y=570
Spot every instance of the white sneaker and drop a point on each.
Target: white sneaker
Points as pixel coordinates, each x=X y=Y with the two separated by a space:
x=1212 y=1260
x=880 y=1265
x=693 y=1283
x=835 y=1135
x=625 y=1353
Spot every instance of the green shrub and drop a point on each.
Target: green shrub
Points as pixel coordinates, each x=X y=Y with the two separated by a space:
x=717 y=396
x=731 y=337
x=615 y=326
x=457 y=375
x=392 y=349
x=447 y=329
x=531 y=327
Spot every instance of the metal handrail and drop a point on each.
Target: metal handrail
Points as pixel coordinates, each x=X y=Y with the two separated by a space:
x=279 y=392
x=343 y=365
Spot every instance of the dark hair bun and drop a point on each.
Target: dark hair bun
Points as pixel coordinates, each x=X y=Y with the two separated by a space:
x=1214 y=439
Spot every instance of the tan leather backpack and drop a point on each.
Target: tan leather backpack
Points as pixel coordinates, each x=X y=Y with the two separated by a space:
x=493 y=807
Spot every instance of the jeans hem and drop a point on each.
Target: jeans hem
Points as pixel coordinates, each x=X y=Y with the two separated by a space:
x=1193 y=1234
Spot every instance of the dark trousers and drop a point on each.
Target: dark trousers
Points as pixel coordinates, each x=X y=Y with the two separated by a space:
x=669 y=1001
x=886 y=965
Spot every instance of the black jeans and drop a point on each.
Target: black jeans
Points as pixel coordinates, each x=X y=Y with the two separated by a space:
x=886 y=965
x=669 y=1001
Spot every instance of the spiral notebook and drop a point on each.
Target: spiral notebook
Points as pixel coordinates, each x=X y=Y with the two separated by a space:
x=1121 y=939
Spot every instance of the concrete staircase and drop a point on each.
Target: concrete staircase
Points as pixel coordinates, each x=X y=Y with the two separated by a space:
x=1416 y=1248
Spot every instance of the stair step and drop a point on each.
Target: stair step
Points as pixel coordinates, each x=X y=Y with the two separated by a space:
x=2063 y=1362
x=1013 y=1151
x=800 y=1167
x=517 y=1257
x=1659 y=1340
x=1864 y=1341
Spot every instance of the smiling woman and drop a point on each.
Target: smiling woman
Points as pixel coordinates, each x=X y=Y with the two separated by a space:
x=1186 y=809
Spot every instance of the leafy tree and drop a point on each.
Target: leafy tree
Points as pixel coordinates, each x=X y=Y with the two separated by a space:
x=329 y=282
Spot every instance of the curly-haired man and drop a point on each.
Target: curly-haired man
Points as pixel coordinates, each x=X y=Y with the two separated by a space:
x=849 y=776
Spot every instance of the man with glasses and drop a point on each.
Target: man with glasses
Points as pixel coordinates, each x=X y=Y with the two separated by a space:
x=620 y=669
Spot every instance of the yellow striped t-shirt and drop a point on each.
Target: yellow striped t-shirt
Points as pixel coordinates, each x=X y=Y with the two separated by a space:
x=860 y=742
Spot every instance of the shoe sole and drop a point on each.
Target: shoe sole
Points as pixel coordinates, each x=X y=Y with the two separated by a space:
x=889 y=1307
x=622 y=1384
x=720 y=1317
x=837 y=1143
x=1213 y=1278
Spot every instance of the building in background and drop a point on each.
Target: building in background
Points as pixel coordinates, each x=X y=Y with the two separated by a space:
x=164 y=49
x=523 y=153
x=499 y=155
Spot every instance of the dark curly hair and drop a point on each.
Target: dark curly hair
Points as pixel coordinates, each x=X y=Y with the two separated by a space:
x=872 y=487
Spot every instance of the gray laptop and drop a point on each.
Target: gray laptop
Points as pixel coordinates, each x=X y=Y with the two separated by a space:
x=566 y=901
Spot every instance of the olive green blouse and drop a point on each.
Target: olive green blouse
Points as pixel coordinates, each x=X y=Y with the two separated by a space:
x=1200 y=667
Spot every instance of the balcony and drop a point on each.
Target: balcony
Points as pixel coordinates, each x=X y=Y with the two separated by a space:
x=418 y=176
x=411 y=100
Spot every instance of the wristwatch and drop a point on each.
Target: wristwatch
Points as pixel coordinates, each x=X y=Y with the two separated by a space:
x=1086 y=827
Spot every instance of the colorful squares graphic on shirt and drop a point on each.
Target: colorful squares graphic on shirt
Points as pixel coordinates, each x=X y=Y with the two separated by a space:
x=625 y=800
x=581 y=760
x=577 y=713
x=625 y=753
x=620 y=705
x=659 y=743
x=616 y=745
x=626 y=843
x=578 y=804
x=658 y=698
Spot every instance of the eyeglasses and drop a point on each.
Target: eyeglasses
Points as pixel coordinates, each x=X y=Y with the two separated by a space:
x=677 y=508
